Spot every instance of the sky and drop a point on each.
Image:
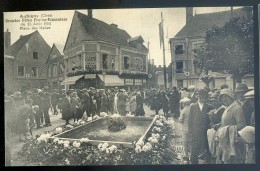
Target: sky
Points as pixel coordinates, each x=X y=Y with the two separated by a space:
x=136 y=22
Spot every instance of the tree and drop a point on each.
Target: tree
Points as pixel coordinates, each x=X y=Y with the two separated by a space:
x=228 y=49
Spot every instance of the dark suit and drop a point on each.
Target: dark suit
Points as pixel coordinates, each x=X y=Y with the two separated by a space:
x=197 y=126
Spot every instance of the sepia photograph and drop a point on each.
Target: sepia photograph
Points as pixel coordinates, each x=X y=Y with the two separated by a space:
x=132 y=86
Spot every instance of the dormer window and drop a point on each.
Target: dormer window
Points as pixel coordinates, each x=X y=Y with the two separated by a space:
x=35 y=55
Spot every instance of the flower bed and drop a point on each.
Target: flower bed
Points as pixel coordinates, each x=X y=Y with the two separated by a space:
x=153 y=149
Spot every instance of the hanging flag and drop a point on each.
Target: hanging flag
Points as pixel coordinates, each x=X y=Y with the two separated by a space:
x=161 y=33
x=27 y=47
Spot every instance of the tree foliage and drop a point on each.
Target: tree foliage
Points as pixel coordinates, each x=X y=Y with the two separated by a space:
x=228 y=49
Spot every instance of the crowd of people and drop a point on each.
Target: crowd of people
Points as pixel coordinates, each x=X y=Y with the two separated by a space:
x=32 y=108
x=217 y=125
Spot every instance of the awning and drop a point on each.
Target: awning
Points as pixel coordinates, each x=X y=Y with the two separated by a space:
x=112 y=80
x=90 y=76
x=71 y=80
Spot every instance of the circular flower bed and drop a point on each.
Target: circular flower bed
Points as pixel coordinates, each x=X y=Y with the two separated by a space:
x=154 y=149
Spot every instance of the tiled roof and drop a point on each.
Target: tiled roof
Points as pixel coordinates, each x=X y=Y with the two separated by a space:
x=200 y=23
x=102 y=31
x=20 y=42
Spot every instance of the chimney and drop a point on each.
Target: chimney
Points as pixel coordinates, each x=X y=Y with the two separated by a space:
x=189 y=14
x=114 y=25
x=90 y=13
x=7 y=40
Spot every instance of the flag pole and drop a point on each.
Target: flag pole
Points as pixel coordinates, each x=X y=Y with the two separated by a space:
x=164 y=66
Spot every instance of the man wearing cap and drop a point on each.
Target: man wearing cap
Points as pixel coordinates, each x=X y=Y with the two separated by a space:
x=241 y=89
x=232 y=116
x=198 y=124
x=37 y=101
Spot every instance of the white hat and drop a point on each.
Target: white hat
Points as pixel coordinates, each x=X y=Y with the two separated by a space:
x=249 y=95
x=191 y=87
x=185 y=100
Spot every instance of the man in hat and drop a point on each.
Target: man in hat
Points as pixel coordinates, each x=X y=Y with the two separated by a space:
x=197 y=127
x=121 y=101
x=232 y=116
x=46 y=104
x=215 y=114
x=241 y=90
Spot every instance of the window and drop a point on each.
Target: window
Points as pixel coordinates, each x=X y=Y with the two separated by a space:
x=104 y=60
x=179 y=49
x=138 y=81
x=139 y=63
x=34 y=72
x=179 y=67
x=128 y=81
x=21 y=71
x=90 y=63
x=126 y=62
x=35 y=55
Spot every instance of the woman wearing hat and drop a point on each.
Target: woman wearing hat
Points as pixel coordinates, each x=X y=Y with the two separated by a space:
x=232 y=116
x=184 y=118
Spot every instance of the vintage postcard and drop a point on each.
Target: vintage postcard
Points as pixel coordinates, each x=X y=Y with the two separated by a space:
x=158 y=86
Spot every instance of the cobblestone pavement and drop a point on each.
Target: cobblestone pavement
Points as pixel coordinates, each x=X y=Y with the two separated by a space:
x=56 y=121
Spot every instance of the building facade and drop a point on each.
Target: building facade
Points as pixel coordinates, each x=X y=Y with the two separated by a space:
x=25 y=62
x=97 y=54
x=55 y=67
x=191 y=37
